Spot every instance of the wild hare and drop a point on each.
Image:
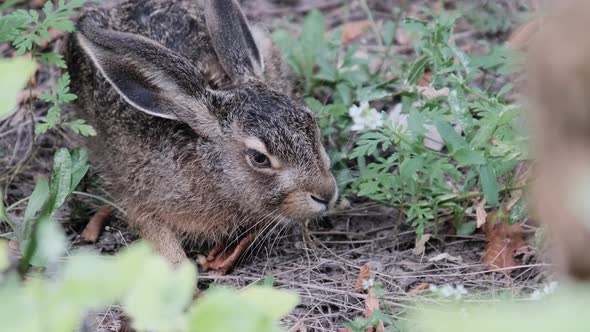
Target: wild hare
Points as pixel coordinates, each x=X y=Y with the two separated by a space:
x=197 y=137
x=559 y=83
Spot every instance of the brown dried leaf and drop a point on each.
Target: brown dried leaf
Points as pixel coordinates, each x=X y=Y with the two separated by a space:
x=364 y=275
x=480 y=213
x=421 y=287
x=429 y=92
x=421 y=244
x=352 y=30
x=372 y=304
x=504 y=241
x=96 y=224
x=425 y=80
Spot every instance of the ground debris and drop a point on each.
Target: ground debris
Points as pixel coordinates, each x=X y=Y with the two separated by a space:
x=504 y=242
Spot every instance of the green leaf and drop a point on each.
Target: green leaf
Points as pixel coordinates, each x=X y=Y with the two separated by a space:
x=158 y=300
x=466 y=156
x=9 y=4
x=256 y=309
x=519 y=211
x=417 y=69
x=61 y=179
x=52 y=59
x=79 y=166
x=51 y=243
x=453 y=140
x=4 y=261
x=37 y=199
x=489 y=185
x=4 y=215
x=81 y=128
x=274 y=303
x=15 y=74
x=566 y=308
x=467 y=228
x=410 y=167
x=388 y=33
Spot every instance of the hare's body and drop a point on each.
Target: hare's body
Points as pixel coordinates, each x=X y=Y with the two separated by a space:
x=178 y=117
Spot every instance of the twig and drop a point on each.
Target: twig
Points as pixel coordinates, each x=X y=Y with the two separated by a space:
x=297 y=10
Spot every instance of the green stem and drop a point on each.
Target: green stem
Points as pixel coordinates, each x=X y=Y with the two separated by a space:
x=98 y=198
x=4 y=215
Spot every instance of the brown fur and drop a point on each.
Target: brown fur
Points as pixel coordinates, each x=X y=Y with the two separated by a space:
x=560 y=109
x=174 y=110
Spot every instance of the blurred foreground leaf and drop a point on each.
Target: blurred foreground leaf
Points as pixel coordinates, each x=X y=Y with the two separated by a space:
x=566 y=310
x=14 y=75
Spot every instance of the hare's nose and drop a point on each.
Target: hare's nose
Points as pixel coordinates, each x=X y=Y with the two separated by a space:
x=326 y=194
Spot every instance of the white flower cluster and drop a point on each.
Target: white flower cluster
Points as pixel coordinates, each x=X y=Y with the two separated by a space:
x=365 y=117
x=449 y=291
x=547 y=290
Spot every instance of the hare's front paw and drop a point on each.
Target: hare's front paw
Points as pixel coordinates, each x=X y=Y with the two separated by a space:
x=165 y=243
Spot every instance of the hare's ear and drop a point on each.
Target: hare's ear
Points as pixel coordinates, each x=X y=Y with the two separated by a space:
x=149 y=76
x=233 y=40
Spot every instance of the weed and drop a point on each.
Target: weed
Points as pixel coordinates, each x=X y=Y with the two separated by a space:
x=27 y=31
x=391 y=161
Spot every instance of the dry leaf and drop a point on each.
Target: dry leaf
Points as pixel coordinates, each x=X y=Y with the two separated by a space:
x=429 y=92
x=447 y=256
x=96 y=224
x=372 y=304
x=421 y=287
x=522 y=36
x=364 y=275
x=480 y=213
x=504 y=241
x=352 y=30
x=421 y=244
x=425 y=80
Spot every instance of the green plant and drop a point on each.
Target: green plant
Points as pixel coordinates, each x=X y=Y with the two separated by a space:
x=68 y=170
x=27 y=31
x=391 y=164
x=153 y=294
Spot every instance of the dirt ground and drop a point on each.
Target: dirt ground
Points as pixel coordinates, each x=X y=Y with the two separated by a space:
x=320 y=261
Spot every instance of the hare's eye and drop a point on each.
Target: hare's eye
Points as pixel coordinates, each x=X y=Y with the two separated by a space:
x=257 y=159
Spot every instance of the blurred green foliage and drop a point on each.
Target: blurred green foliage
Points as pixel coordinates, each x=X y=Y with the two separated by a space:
x=566 y=310
x=154 y=295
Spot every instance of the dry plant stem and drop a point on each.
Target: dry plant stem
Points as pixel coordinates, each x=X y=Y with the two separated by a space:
x=301 y=9
x=372 y=20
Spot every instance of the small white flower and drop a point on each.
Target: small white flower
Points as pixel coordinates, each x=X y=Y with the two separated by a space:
x=447 y=290
x=368 y=283
x=365 y=117
x=548 y=289
x=536 y=295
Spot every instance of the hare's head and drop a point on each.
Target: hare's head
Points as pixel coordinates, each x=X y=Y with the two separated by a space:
x=263 y=148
